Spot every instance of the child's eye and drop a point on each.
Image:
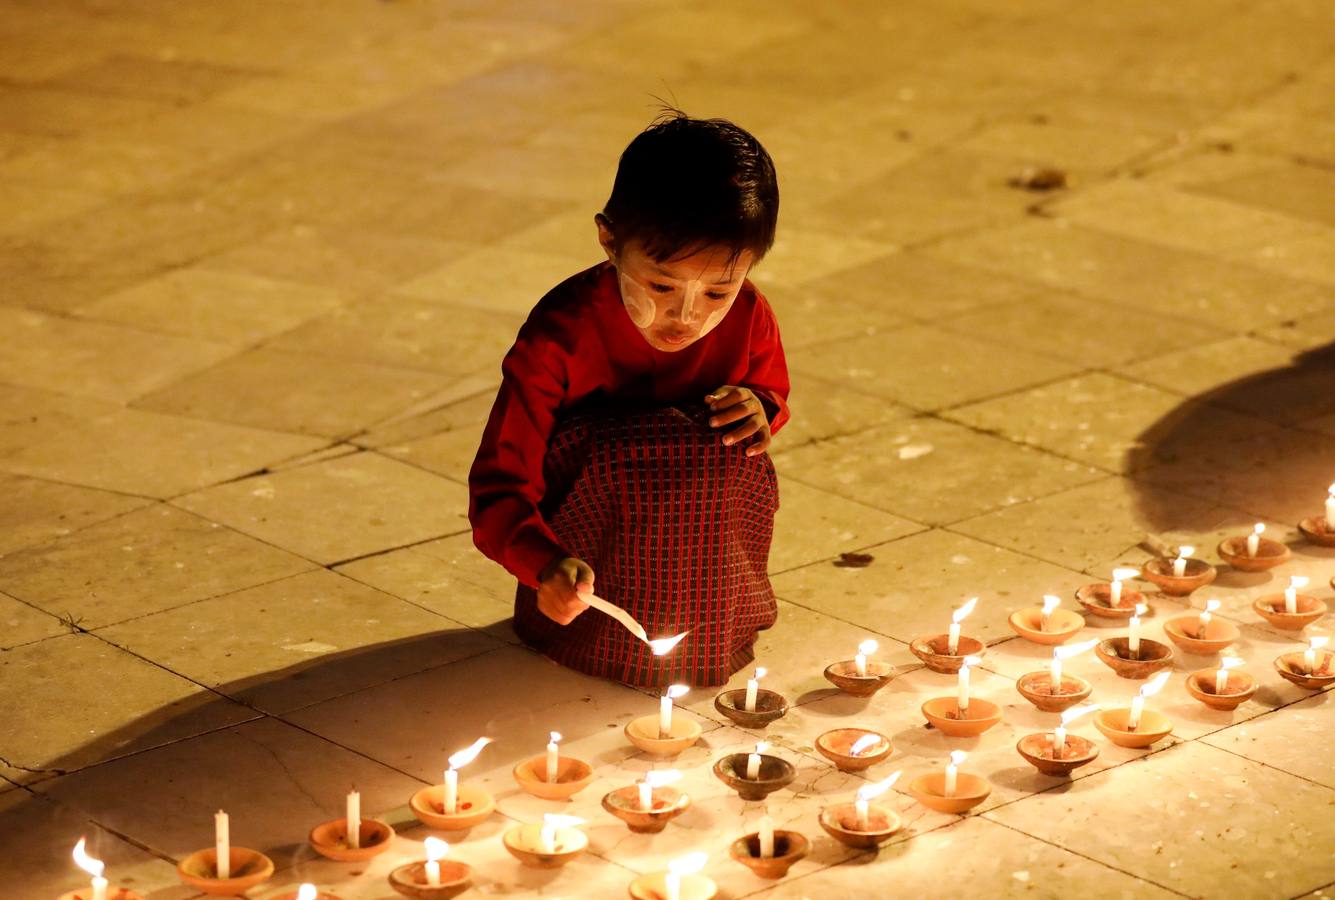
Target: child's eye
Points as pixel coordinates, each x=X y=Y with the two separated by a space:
x=660 y=288
x=715 y=295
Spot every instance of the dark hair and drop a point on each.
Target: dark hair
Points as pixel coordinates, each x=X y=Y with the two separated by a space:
x=684 y=184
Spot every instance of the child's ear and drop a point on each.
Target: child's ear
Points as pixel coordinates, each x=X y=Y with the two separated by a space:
x=605 y=236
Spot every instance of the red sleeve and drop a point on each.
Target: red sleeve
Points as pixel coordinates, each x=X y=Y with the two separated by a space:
x=767 y=373
x=506 y=483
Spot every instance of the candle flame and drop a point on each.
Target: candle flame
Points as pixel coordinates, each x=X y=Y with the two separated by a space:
x=957 y=757
x=868 y=647
x=1123 y=574
x=465 y=756
x=557 y=820
x=676 y=690
x=92 y=866
x=1154 y=685
x=761 y=672
x=1141 y=609
x=870 y=792
x=307 y=891
x=1184 y=551
x=1316 y=642
x=556 y=737
x=1299 y=581
x=958 y=615
x=1230 y=662
x=663 y=646
x=1258 y=528
x=971 y=661
x=863 y=744
x=1050 y=603
x=1212 y=605
x=1331 y=489
x=660 y=777
x=435 y=848
x=1068 y=651
x=1075 y=712
x=692 y=862
x=761 y=746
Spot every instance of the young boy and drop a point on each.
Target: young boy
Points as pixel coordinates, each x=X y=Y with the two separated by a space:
x=627 y=438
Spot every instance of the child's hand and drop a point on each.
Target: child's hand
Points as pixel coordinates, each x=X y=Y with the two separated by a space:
x=738 y=404
x=559 y=587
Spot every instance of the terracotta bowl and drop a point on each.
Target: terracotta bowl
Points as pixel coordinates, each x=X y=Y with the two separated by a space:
x=932 y=651
x=929 y=790
x=770 y=705
x=1271 y=608
x=1063 y=624
x=410 y=880
x=1094 y=597
x=1036 y=687
x=474 y=806
x=1184 y=631
x=844 y=675
x=654 y=887
x=643 y=733
x=249 y=868
x=835 y=745
x=525 y=844
x=1293 y=667
x=1037 y=751
x=113 y=893
x=1314 y=528
x=1153 y=726
x=943 y=713
x=1159 y=570
x=775 y=773
x=1268 y=554
x=1115 y=654
x=330 y=840
x=667 y=804
x=841 y=823
x=789 y=847
x=296 y=895
x=1238 y=690
x=572 y=776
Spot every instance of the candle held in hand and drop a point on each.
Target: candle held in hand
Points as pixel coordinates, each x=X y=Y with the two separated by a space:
x=222 y=844
x=553 y=757
x=93 y=867
x=435 y=851
x=953 y=636
x=753 y=688
x=353 y=819
x=865 y=649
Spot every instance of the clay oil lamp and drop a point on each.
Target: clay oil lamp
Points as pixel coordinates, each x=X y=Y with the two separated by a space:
x=450 y=807
x=351 y=838
x=1220 y=688
x=950 y=791
x=1054 y=690
x=1180 y=576
x=1291 y=611
x=1046 y=624
x=853 y=749
x=961 y=715
x=1253 y=553
x=862 y=824
x=306 y=892
x=553 y=776
x=1202 y=634
x=100 y=888
x=549 y=845
x=767 y=852
x=1321 y=529
x=1059 y=753
x=1136 y=727
x=664 y=734
x=223 y=870
x=1312 y=668
x=1134 y=656
x=945 y=653
x=754 y=707
x=860 y=676
x=682 y=881
x=1113 y=600
x=435 y=879
x=754 y=776
x=648 y=805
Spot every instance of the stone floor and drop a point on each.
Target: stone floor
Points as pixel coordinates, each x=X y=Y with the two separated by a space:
x=258 y=265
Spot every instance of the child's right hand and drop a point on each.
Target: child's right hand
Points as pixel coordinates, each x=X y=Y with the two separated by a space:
x=559 y=587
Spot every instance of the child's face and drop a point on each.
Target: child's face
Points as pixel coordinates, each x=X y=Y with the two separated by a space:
x=675 y=303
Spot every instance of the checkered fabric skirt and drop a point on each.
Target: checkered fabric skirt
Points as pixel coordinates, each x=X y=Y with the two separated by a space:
x=677 y=528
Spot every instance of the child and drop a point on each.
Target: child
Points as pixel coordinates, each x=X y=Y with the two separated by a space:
x=627 y=438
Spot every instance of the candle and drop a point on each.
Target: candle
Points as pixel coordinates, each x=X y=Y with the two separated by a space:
x=1254 y=539
x=1203 y=620
x=307 y=891
x=753 y=687
x=753 y=762
x=863 y=744
x=1133 y=635
x=953 y=637
x=1296 y=582
x=865 y=649
x=963 y=701
x=222 y=845
x=952 y=771
x=1059 y=733
x=665 y=708
x=1180 y=564
x=676 y=869
x=553 y=758
x=663 y=646
x=1115 y=588
x=766 y=837
x=450 y=806
x=1221 y=674
x=867 y=793
x=93 y=867
x=1309 y=655
x=1049 y=604
x=1063 y=653
x=450 y=802
x=550 y=823
x=1330 y=509
x=653 y=780
x=646 y=796
x=354 y=819
x=435 y=849
x=1148 y=689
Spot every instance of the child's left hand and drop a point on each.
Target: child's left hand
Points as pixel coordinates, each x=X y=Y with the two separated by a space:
x=738 y=404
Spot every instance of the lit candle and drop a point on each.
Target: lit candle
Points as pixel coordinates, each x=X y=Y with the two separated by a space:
x=952 y=770
x=1221 y=674
x=550 y=823
x=654 y=780
x=1254 y=539
x=646 y=796
x=1050 y=603
x=553 y=758
x=435 y=850
x=753 y=762
x=664 y=646
x=963 y=701
x=1180 y=564
x=766 y=837
x=354 y=819
x=676 y=869
x=1314 y=643
x=1063 y=653
x=1330 y=509
x=307 y=891
x=1296 y=583
x=1133 y=634
x=865 y=649
x=863 y=744
x=953 y=637
x=1203 y=620
x=457 y=762
x=868 y=793
x=93 y=867
x=1059 y=733
x=222 y=845
x=1115 y=588
x=753 y=688
x=665 y=708
x=1148 y=689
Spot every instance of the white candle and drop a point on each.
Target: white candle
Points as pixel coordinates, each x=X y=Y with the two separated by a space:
x=866 y=794
x=963 y=700
x=457 y=761
x=1119 y=576
x=1180 y=564
x=1309 y=655
x=953 y=635
x=865 y=649
x=1058 y=741
x=451 y=801
x=860 y=807
x=1137 y=707
x=553 y=758
x=93 y=867
x=665 y=708
x=1045 y=618
x=1291 y=592
x=1330 y=509
x=753 y=767
x=1221 y=674
x=676 y=869
x=435 y=849
x=1254 y=539
x=1203 y=620
x=1148 y=689
x=766 y=837
x=952 y=771
x=432 y=873
x=1133 y=634
x=646 y=796
x=308 y=891
x=1055 y=674
x=354 y=819
x=753 y=688
x=222 y=845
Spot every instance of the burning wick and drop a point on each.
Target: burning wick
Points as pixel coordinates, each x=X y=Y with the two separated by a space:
x=1221 y=674
x=663 y=646
x=953 y=636
x=553 y=759
x=676 y=869
x=865 y=649
x=1049 y=604
x=1180 y=564
x=952 y=771
x=863 y=744
x=1148 y=689
x=307 y=891
x=753 y=688
x=1254 y=539
x=450 y=804
x=654 y=780
x=665 y=709
x=1314 y=643
x=868 y=793
x=1133 y=633
x=435 y=850
x=753 y=762
x=1068 y=716
x=550 y=823
x=1203 y=620
x=1064 y=653
x=1296 y=582
x=1115 y=588
x=963 y=701
x=93 y=867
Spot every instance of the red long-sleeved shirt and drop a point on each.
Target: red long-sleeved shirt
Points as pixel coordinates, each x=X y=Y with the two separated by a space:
x=578 y=343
